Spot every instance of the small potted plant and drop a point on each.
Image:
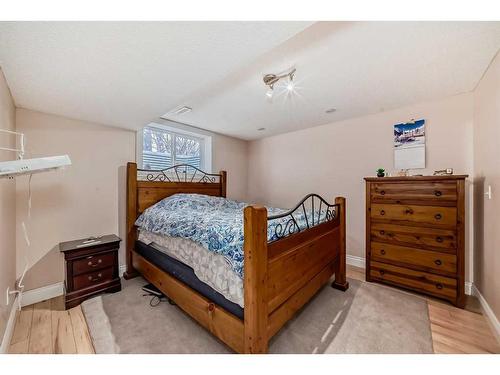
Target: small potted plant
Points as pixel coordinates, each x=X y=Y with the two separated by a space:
x=380 y=172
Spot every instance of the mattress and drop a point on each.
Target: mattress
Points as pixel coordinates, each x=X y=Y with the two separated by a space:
x=211 y=268
x=184 y=273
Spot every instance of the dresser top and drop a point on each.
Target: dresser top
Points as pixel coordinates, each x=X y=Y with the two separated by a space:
x=87 y=243
x=417 y=178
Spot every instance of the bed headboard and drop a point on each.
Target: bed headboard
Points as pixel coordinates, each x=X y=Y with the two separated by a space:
x=147 y=187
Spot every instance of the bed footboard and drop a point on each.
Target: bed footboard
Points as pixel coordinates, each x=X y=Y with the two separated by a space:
x=283 y=275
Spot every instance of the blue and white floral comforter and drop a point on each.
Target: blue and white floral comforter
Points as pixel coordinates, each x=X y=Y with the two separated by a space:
x=213 y=222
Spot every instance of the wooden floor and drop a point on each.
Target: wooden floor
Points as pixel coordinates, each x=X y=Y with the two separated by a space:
x=47 y=328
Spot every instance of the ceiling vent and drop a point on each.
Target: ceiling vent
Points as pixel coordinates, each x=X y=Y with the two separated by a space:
x=177 y=112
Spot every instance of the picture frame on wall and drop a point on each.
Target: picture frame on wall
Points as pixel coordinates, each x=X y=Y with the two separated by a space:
x=409 y=145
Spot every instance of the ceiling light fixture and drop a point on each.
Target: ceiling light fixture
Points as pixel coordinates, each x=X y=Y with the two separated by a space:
x=271 y=79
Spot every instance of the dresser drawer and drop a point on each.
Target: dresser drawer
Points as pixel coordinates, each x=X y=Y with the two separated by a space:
x=435 y=191
x=93 y=278
x=415 y=214
x=430 y=260
x=437 y=239
x=436 y=285
x=93 y=262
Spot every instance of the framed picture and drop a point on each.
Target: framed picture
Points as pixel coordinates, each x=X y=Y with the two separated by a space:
x=409 y=145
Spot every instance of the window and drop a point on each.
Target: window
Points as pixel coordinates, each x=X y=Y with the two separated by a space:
x=162 y=147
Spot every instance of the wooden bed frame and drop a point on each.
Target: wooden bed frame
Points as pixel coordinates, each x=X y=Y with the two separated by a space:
x=280 y=277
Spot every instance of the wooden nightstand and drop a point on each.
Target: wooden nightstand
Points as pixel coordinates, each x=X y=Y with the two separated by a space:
x=91 y=268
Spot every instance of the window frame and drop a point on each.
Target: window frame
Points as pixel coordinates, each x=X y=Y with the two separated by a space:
x=204 y=139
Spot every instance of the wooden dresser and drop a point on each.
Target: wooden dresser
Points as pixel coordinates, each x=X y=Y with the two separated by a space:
x=415 y=234
x=91 y=268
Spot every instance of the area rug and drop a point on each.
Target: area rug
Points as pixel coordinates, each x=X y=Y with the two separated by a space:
x=367 y=318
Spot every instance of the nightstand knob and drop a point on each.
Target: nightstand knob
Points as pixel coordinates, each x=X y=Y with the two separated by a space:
x=438 y=262
x=438 y=216
x=382 y=212
x=437 y=193
x=382 y=272
x=382 y=192
x=382 y=232
x=99 y=261
x=99 y=275
x=439 y=239
x=382 y=252
x=439 y=286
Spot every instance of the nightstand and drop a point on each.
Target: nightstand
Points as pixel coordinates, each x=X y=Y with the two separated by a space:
x=91 y=268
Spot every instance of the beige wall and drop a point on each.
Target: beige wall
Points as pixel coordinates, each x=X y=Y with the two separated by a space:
x=85 y=199
x=7 y=206
x=487 y=172
x=230 y=154
x=333 y=159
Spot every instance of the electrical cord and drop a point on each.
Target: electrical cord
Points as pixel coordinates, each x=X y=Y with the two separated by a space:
x=156 y=300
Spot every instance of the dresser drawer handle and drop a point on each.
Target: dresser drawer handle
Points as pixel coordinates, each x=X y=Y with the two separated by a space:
x=438 y=193
x=382 y=232
x=99 y=276
x=409 y=211
x=99 y=261
x=382 y=192
x=439 y=239
x=438 y=262
x=382 y=212
x=439 y=286
x=382 y=252
x=382 y=272
x=438 y=216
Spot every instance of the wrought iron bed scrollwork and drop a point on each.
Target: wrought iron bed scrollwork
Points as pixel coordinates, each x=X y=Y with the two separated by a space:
x=178 y=173
x=288 y=223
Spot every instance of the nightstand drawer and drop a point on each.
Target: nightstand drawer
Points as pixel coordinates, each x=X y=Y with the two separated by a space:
x=93 y=278
x=93 y=263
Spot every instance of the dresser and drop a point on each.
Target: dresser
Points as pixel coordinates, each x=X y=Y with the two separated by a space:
x=91 y=268
x=415 y=234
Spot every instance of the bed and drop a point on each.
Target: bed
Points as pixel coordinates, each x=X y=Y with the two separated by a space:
x=281 y=258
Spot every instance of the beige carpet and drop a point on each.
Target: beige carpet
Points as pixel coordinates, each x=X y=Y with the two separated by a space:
x=368 y=318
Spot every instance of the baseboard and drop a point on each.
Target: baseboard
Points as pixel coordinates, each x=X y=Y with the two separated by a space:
x=41 y=294
x=492 y=318
x=9 y=329
x=50 y=291
x=468 y=288
x=355 y=261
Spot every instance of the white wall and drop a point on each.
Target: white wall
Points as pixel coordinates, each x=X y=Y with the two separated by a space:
x=333 y=159
x=7 y=206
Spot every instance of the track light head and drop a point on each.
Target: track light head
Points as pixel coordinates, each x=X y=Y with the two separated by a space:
x=271 y=79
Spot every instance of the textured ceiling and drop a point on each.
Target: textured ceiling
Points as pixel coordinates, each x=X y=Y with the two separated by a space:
x=128 y=74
